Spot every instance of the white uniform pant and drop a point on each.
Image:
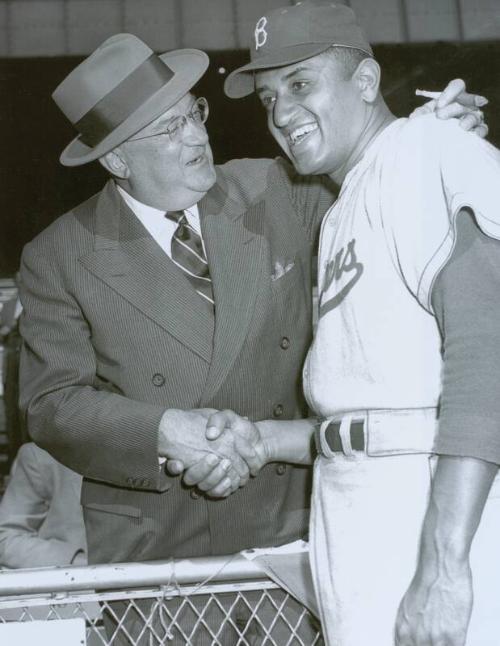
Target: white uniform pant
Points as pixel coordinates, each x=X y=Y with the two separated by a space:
x=366 y=520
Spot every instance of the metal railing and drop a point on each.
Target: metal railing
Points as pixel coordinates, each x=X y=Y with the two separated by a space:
x=220 y=601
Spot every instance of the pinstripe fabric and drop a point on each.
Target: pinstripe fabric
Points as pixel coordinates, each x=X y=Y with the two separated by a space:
x=111 y=342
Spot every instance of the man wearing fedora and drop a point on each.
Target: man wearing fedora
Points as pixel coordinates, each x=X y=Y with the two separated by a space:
x=178 y=289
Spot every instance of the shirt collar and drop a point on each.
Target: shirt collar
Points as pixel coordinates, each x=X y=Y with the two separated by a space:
x=152 y=217
x=139 y=208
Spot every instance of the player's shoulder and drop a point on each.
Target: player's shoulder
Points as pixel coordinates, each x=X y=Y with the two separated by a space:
x=429 y=142
x=428 y=132
x=418 y=147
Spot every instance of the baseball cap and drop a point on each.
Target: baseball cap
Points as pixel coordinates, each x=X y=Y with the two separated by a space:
x=291 y=34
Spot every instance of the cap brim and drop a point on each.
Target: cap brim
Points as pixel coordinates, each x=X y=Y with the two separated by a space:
x=240 y=82
x=188 y=66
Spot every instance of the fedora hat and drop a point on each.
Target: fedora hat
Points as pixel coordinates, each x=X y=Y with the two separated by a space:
x=119 y=89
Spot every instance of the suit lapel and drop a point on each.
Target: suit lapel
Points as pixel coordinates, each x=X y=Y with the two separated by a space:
x=128 y=259
x=237 y=258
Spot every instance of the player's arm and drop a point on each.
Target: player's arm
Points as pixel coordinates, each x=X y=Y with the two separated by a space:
x=257 y=443
x=289 y=441
x=436 y=608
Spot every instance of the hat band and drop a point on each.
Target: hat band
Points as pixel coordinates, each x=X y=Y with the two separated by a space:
x=112 y=110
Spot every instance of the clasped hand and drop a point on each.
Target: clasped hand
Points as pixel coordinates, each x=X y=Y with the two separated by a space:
x=222 y=458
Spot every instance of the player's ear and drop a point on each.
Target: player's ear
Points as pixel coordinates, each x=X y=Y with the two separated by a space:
x=115 y=163
x=367 y=77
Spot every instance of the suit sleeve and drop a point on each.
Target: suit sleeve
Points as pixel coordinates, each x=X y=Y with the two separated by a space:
x=23 y=511
x=69 y=411
x=312 y=196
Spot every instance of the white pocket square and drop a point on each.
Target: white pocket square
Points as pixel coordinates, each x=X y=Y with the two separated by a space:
x=280 y=269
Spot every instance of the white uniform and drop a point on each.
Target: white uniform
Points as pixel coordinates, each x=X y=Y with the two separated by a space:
x=376 y=356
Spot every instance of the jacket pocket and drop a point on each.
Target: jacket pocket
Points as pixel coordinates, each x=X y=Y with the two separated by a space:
x=291 y=272
x=120 y=510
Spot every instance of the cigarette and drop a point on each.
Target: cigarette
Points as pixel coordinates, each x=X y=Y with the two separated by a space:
x=429 y=95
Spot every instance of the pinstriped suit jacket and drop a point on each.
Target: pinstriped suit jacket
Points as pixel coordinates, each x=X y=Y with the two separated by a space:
x=114 y=334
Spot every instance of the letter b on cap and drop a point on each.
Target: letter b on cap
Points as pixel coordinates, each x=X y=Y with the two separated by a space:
x=260 y=32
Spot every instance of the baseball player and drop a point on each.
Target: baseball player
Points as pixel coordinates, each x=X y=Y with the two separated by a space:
x=403 y=369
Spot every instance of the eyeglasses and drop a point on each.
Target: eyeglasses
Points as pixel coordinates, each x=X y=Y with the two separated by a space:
x=198 y=115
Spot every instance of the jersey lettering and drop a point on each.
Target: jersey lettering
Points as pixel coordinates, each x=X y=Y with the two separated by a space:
x=345 y=262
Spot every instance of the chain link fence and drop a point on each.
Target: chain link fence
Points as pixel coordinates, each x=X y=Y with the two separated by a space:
x=220 y=601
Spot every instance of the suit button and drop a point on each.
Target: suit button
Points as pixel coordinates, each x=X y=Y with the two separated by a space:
x=285 y=343
x=130 y=481
x=158 y=380
x=278 y=410
x=194 y=494
x=281 y=469
x=145 y=482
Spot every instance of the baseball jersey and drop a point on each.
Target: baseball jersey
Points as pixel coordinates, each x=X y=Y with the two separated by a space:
x=382 y=245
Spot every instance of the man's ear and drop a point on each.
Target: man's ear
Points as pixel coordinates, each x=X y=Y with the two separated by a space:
x=115 y=163
x=367 y=77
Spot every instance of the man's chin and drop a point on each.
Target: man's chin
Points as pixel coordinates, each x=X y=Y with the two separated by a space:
x=306 y=166
x=210 y=179
x=204 y=179
x=202 y=185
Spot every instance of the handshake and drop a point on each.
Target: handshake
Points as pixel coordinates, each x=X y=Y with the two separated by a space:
x=218 y=451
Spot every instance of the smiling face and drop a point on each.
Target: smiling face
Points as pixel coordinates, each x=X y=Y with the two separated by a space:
x=315 y=114
x=170 y=175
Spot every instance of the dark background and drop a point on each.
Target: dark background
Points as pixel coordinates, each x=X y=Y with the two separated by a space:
x=35 y=188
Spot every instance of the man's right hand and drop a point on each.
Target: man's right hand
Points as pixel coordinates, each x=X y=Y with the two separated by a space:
x=183 y=442
x=210 y=474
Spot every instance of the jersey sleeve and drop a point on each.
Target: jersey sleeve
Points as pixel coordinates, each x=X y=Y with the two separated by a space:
x=435 y=170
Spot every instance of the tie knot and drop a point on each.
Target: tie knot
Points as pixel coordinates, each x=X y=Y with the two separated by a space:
x=176 y=216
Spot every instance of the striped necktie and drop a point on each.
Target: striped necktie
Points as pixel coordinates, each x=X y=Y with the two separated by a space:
x=189 y=255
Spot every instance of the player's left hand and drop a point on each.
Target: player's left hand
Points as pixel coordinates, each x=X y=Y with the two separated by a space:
x=454 y=102
x=436 y=608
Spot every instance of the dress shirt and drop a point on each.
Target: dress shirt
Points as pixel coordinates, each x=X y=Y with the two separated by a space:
x=161 y=228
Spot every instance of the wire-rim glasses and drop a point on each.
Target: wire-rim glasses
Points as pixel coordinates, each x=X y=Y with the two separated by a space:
x=197 y=115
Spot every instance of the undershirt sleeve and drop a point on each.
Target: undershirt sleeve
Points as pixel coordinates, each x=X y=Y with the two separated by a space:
x=466 y=302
